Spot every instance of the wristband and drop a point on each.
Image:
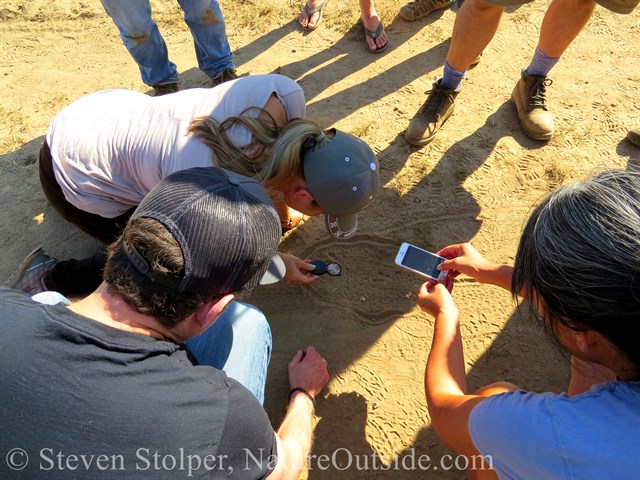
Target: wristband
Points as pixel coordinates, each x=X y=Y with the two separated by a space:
x=300 y=389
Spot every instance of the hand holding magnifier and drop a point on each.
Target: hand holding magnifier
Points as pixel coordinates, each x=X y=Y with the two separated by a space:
x=323 y=267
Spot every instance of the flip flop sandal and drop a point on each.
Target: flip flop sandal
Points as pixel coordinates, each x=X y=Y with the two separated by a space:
x=308 y=11
x=373 y=35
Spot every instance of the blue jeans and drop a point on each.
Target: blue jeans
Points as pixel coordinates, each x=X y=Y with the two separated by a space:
x=142 y=38
x=239 y=343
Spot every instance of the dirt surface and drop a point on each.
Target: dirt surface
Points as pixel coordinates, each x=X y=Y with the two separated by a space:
x=475 y=182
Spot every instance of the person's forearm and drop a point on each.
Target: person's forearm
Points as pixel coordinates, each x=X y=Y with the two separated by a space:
x=445 y=374
x=296 y=434
x=499 y=275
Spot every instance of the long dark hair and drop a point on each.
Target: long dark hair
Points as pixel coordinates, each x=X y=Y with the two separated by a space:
x=579 y=256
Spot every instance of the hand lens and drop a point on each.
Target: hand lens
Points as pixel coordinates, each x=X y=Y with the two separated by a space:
x=323 y=267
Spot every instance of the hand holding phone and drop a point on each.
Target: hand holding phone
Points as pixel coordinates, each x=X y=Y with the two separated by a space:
x=421 y=261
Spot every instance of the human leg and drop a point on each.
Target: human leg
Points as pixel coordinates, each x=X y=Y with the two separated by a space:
x=105 y=230
x=376 y=39
x=206 y=23
x=142 y=39
x=69 y=277
x=474 y=27
x=239 y=343
x=562 y=23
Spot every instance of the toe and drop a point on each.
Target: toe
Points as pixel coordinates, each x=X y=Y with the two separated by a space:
x=382 y=40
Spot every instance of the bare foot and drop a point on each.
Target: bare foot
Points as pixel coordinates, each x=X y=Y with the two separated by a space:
x=371 y=23
x=309 y=21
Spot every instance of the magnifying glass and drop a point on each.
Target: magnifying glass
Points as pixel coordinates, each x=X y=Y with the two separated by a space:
x=323 y=267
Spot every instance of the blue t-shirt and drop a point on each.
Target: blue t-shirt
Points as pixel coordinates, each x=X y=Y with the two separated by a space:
x=595 y=435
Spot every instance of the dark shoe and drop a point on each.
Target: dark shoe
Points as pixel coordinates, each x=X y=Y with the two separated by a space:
x=421 y=8
x=228 y=74
x=432 y=114
x=529 y=96
x=634 y=136
x=164 y=89
x=30 y=274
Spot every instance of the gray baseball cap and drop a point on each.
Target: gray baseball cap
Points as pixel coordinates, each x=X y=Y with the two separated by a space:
x=341 y=172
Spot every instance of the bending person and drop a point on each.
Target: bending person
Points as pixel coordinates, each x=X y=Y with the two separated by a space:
x=103 y=153
x=578 y=263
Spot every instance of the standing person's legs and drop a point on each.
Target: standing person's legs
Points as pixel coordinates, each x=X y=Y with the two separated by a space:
x=204 y=19
x=475 y=25
x=142 y=38
x=239 y=343
x=562 y=23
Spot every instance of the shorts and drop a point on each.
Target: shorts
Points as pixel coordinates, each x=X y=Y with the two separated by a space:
x=616 y=6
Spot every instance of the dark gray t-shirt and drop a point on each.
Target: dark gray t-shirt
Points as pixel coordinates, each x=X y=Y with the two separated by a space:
x=83 y=400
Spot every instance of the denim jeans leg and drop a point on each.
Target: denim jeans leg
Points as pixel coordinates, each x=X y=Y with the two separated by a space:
x=142 y=38
x=204 y=19
x=239 y=343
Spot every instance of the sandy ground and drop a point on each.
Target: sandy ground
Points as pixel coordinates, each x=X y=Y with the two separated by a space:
x=475 y=182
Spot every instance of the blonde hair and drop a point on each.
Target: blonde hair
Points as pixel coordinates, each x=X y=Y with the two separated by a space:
x=274 y=155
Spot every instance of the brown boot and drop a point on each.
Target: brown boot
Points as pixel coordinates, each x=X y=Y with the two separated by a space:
x=529 y=96
x=228 y=74
x=634 y=136
x=432 y=114
x=164 y=89
x=421 y=8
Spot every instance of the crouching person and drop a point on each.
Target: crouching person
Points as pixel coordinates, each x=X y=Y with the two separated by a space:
x=106 y=385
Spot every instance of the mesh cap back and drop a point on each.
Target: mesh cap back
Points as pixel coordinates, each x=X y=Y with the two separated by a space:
x=225 y=224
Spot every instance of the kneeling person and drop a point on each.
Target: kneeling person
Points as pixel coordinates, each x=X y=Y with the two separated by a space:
x=110 y=375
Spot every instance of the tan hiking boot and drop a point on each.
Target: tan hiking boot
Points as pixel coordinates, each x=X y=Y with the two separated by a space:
x=431 y=116
x=421 y=8
x=529 y=96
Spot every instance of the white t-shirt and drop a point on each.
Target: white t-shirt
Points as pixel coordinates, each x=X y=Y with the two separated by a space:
x=595 y=435
x=110 y=148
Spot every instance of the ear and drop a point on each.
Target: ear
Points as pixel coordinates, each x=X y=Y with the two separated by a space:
x=208 y=313
x=295 y=187
x=585 y=340
x=302 y=194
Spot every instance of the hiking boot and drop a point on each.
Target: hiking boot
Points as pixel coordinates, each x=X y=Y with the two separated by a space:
x=634 y=136
x=228 y=74
x=529 y=96
x=164 y=89
x=30 y=274
x=432 y=114
x=421 y=8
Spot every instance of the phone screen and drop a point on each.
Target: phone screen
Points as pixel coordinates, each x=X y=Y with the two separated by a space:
x=423 y=261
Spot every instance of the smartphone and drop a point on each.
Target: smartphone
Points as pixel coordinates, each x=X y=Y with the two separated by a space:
x=421 y=262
